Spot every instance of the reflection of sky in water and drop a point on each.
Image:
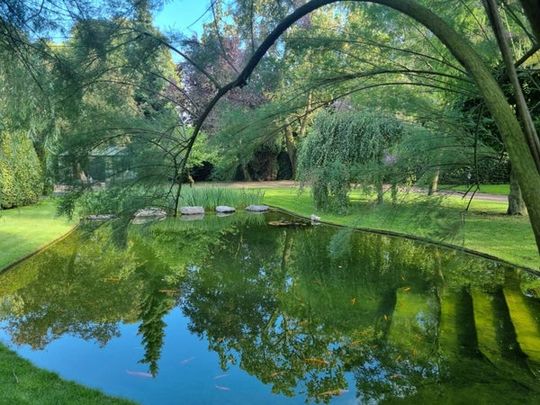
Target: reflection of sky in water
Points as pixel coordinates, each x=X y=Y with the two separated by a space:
x=360 y=321
x=188 y=371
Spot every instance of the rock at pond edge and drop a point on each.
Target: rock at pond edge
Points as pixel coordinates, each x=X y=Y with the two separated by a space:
x=223 y=209
x=150 y=212
x=100 y=217
x=192 y=210
x=257 y=208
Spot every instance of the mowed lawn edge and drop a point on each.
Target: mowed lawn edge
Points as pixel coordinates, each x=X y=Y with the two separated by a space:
x=23 y=232
x=26 y=230
x=483 y=229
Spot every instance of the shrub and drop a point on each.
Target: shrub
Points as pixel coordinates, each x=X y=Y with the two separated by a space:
x=21 y=177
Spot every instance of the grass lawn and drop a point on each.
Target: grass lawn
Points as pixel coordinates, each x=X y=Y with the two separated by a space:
x=498 y=189
x=485 y=227
x=23 y=231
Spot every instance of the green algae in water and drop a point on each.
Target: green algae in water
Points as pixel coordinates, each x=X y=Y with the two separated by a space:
x=448 y=336
x=525 y=321
x=486 y=325
x=231 y=310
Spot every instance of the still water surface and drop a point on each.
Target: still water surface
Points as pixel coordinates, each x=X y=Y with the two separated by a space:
x=235 y=310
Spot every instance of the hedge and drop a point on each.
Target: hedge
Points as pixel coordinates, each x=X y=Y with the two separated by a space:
x=21 y=177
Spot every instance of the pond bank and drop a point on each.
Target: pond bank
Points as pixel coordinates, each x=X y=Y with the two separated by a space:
x=484 y=229
x=23 y=232
x=26 y=230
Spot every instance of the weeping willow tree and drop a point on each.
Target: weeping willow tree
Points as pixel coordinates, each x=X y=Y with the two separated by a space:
x=346 y=147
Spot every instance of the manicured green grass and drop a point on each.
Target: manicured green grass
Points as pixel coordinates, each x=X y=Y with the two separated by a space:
x=498 y=189
x=23 y=231
x=485 y=227
x=22 y=383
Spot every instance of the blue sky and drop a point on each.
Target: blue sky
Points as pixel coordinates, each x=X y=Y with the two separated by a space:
x=178 y=15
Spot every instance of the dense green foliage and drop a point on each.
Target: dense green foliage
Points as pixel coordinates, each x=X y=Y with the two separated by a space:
x=345 y=148
x=21 y=179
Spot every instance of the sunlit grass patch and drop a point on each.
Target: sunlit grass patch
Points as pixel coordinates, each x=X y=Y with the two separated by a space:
x=26 y=229
x=484 y=228
x=497 y=189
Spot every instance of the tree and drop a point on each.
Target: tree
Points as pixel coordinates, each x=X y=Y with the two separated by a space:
x=348 y=147
x=21 y=179
x=507 y=122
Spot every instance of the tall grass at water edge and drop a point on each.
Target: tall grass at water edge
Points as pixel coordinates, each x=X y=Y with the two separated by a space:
x=211 y=197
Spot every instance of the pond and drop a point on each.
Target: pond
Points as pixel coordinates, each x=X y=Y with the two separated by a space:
x=236 y=310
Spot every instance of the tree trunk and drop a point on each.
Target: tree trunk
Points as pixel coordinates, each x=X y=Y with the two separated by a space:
x=516 y=205
x=394 y=191
x=245 y=172
x=527 y=122
x=434 y=185
x=291 y=150
x=380 y=192
x=305 y=118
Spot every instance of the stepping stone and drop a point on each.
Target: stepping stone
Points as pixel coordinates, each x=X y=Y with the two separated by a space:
x=146 y=220
x=223 y=209
x=150 y=212
x=192 y=211
x=100 y=217
x=284 y=223
x=257 y=208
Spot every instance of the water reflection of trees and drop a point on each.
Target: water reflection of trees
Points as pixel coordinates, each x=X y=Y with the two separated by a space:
x=304 y=310
x=299 y=317
x=63 y=292
x=91 y=282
